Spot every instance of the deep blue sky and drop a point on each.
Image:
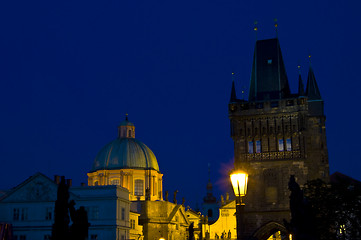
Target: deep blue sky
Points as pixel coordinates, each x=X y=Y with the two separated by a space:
x=70 y=70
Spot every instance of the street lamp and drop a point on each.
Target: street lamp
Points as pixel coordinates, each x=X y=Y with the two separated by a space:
x=239 y=181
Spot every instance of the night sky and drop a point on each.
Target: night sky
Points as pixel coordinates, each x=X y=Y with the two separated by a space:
x=70 y=70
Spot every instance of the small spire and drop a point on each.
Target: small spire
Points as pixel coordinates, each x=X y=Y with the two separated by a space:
x=255 y=28
x=233 y=91
x=126 y=117
x=276 y=26
x=312 y=90
x=301 y=88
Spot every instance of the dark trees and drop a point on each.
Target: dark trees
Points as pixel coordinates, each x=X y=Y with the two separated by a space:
x=330 y=211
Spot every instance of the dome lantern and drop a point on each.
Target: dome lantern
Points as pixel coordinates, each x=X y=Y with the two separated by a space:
x=126 y=129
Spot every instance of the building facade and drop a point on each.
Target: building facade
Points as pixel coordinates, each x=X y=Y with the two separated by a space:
x=276 y=134
x=29 y=208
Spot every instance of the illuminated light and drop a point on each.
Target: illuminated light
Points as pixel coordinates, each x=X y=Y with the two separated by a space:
x=239 y=182
x=290 y=237
x=342 y=229
x=161 y=238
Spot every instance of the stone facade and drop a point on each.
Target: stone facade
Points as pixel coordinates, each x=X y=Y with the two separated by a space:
x=162 y=219
x=275 y=137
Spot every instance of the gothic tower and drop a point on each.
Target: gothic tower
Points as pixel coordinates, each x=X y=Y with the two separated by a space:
x=276 y=134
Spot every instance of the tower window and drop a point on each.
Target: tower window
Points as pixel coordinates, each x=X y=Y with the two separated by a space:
x=269 y=61
x=250 y=147
x=281 y=147
x=129 y=133
x=138 y=187
x=288 y=144
x=258 y=146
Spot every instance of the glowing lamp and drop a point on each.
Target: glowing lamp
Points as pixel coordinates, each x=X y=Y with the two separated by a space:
x=239 y=182
x=161 y=238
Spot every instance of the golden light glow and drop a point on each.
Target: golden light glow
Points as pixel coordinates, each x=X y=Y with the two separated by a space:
x=290 y=237
x=161 y=239
x=239 y=182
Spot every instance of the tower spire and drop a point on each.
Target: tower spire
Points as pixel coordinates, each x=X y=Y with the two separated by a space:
x=268 y=79
x=312 y=91
x=233 y=91
x=301 y=88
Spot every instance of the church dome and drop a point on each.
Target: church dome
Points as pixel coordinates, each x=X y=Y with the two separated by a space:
x=125 y=152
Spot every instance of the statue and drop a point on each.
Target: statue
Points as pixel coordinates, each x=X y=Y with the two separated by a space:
x=175 y=197
x=80 y=226
x=222 y=200
x=60 y=229
x=227 y=197
x=301 y=218
x=183 y=201
x=166 y=195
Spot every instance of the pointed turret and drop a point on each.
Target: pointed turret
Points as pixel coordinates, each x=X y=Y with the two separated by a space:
x=301 y=88
x=233 y=93
x=268 y=80
x=312 y=91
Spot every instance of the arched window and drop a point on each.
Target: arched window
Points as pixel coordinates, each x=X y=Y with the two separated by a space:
x=139 y=187
x=96 y=183
x=115 y=182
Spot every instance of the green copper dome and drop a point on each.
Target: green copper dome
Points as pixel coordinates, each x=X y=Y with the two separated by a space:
x=125 y=153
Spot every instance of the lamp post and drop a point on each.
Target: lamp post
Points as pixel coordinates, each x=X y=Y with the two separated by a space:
x=239 y=180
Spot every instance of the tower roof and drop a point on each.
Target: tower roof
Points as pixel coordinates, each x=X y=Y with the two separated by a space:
x=301 y=88
x=268 y=79
x=312 y=91
x=233 y=93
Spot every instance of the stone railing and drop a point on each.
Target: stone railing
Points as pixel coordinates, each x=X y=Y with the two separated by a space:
x=273 y=155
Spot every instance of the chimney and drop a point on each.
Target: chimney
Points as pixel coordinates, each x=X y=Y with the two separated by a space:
x=68 y=182
x=57 y=179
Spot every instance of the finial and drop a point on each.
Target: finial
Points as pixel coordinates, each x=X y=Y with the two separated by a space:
x=232 y=76
x=126 y=117
x=309 y=59
x=243 y=88
x=276 y=26
x=299 y=69
x=209 y=172
x=255 y=28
